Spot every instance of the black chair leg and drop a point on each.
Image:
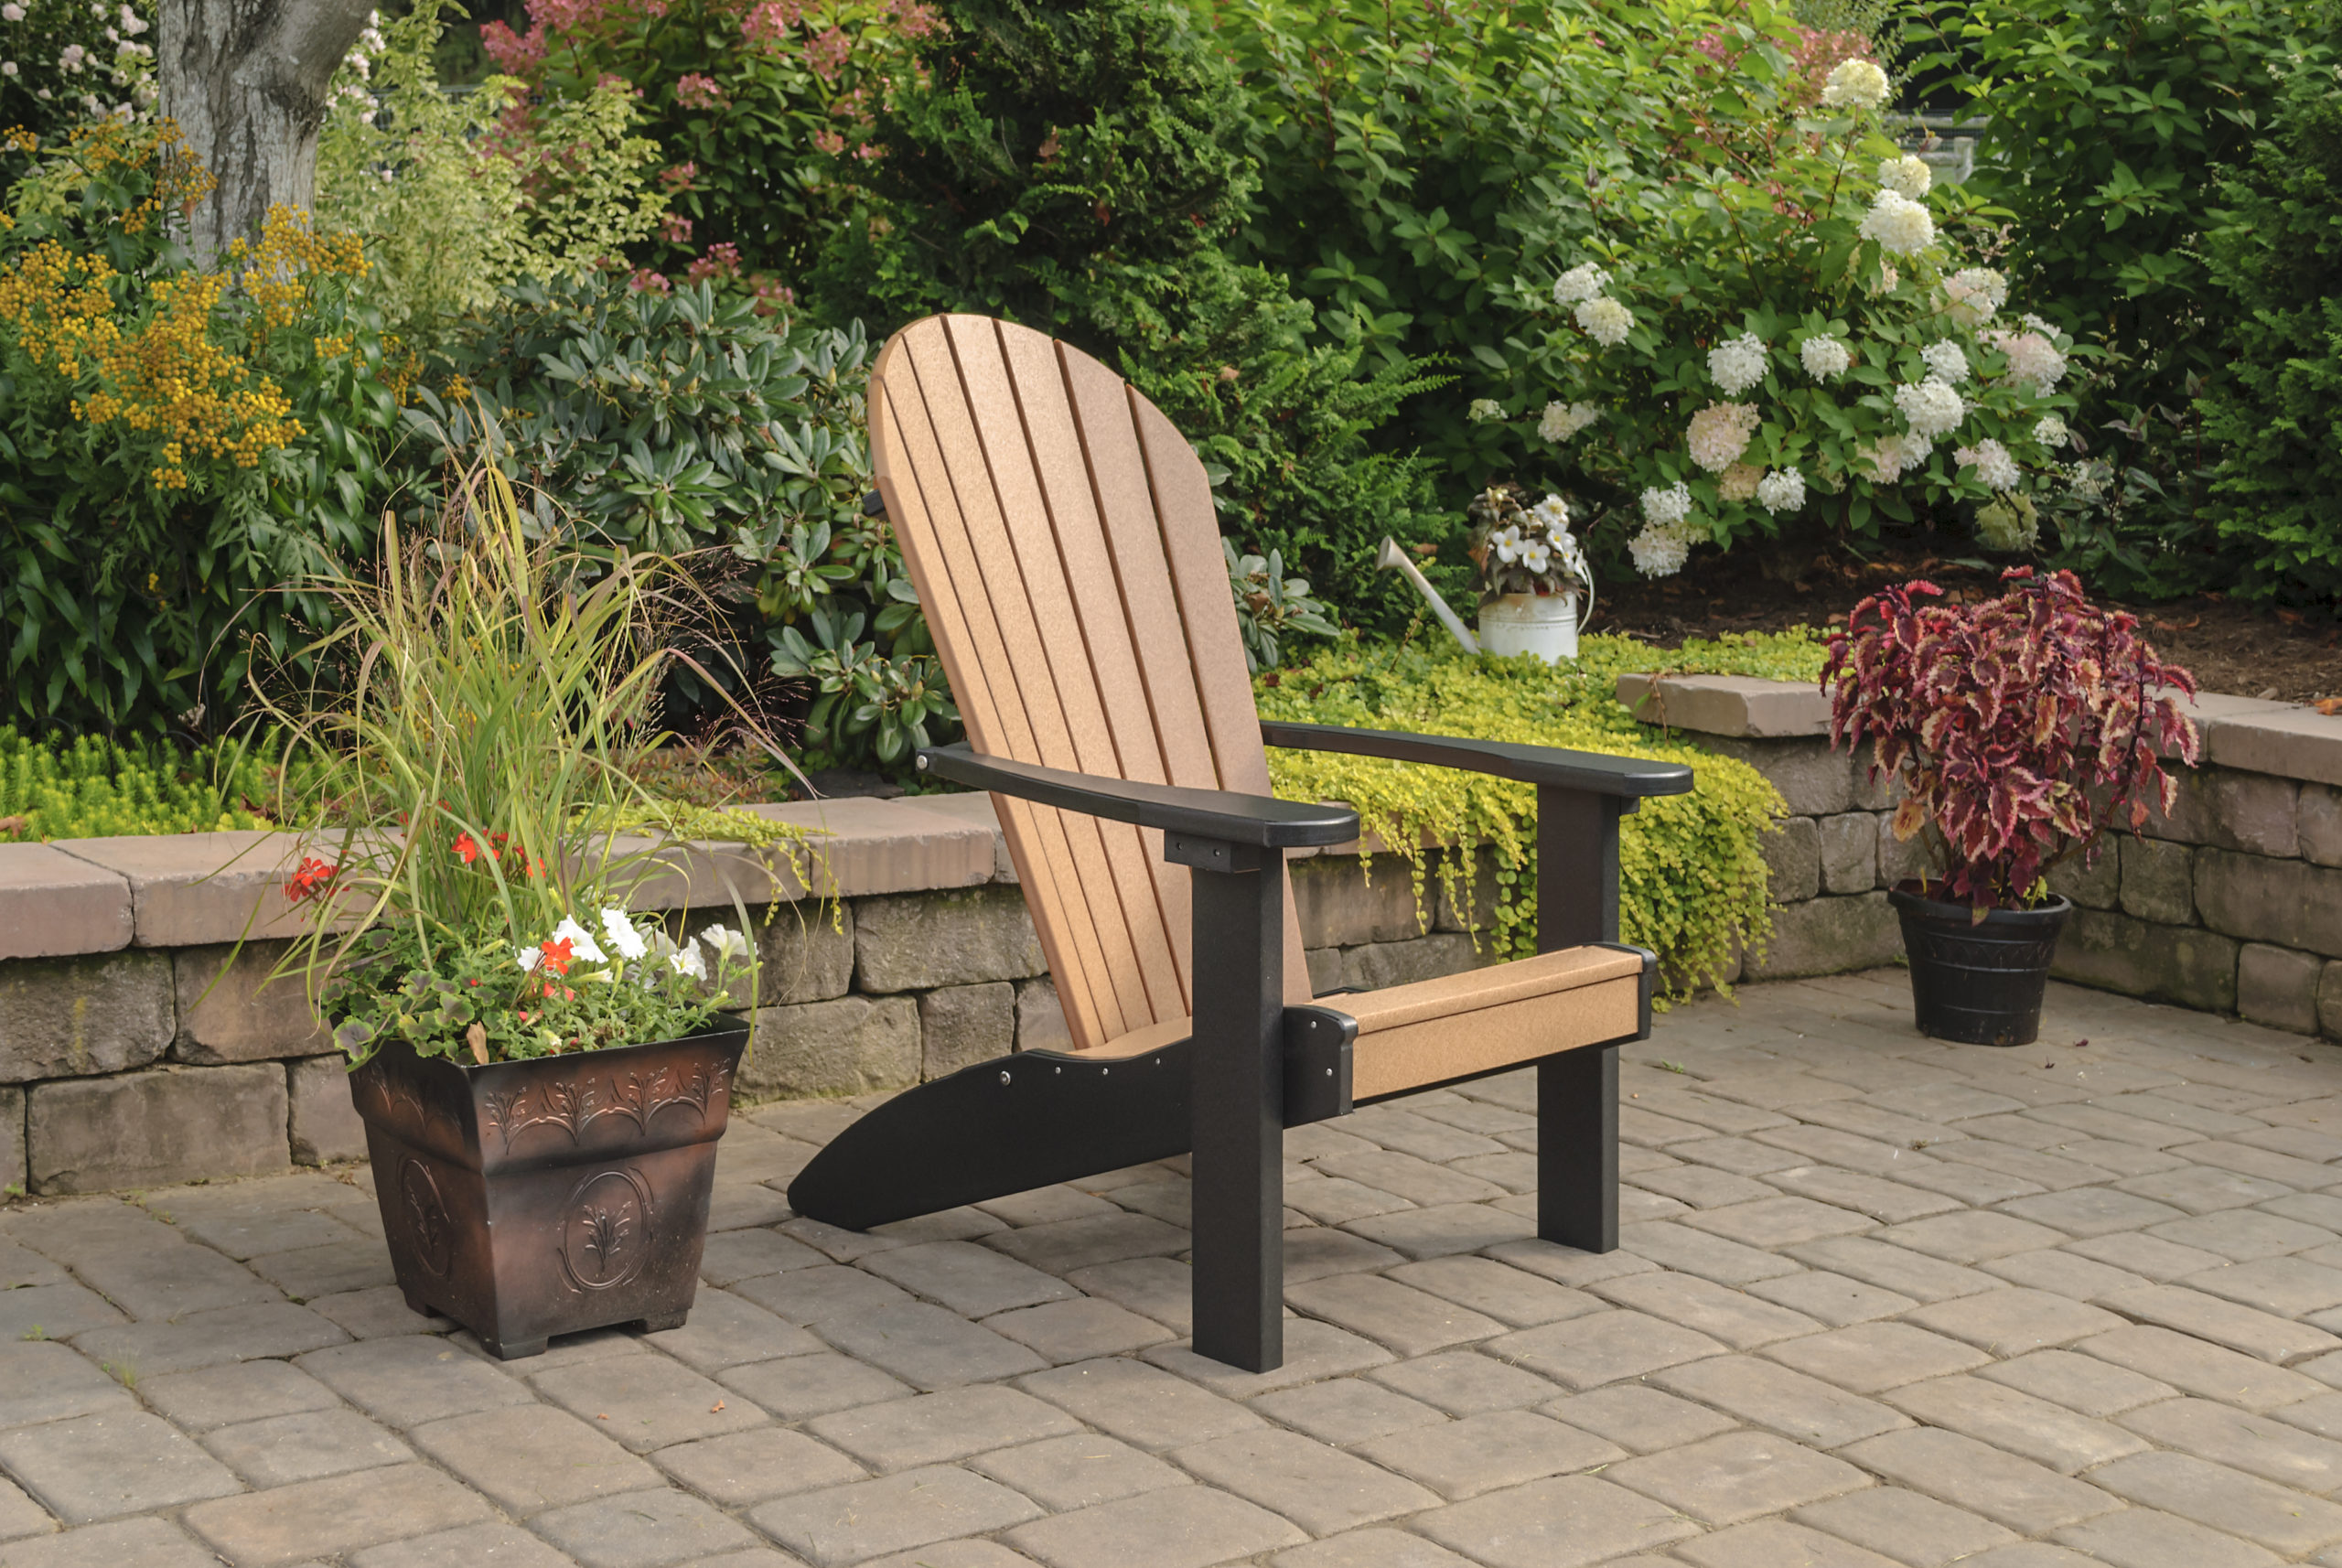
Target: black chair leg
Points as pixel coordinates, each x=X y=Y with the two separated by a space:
x=1237 y=1096
x=1577 y=1148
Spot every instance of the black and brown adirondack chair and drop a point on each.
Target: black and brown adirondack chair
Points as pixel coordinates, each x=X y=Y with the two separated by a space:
x=1063 y=541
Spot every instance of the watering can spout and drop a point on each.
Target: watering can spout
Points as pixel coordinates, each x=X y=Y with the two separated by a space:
x=1392 y=558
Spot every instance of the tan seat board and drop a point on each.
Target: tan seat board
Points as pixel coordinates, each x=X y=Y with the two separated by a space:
x=1440 y=1049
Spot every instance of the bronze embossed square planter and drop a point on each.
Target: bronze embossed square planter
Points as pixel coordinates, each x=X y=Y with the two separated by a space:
x=529 y=1198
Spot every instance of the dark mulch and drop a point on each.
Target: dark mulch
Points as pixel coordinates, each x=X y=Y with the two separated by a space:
x=2245 y=650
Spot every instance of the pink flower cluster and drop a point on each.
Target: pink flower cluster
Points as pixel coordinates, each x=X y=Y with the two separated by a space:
x=521 y=54
x=772 y=21
x=693 y=90
x=827 y=54
x=676 y=229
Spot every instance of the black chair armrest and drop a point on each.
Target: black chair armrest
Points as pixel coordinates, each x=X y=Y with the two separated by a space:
x=1630 y=778
x=1216 y=815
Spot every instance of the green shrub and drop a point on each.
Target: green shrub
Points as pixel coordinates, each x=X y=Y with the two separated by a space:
x=2276 y=413
x=1076 y=167
x=690 y=425
x=73 y=60
x=1692 y=880
x=102 y=788
x=182 y=447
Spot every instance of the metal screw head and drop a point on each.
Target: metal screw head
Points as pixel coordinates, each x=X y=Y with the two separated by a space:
x=1004 y=1078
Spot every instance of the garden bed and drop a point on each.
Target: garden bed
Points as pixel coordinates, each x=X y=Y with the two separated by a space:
x=2229 y=645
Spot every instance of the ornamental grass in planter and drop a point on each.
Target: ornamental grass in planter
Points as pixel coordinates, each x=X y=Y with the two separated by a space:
x=2020 y=729
x=542 y=1071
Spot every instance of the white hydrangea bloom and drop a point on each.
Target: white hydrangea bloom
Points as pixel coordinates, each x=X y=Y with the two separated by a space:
x=1660 y=550
x=1931 y=407
x=1738 y=483
x=1737 y=363
x=1582 y=281
x=1824 y=357
x=1855 y=84
x=1781 y=491
x=1483 y=410
x=1901 y=226
x=12 y=12
x=1665 y=507
x=1906 y=176
x=1897 y=454
x=1562 y=420
x=1720 y=433
x=1946 y=362
x=2033 y=356
x=1976 y=295
x=2051 y=432
x=1992 y=462
x=1606 y=321
x=2090 y=478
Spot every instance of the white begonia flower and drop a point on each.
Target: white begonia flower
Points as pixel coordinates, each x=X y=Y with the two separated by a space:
x=528 y=959
x=1537 y=557
x=1992 y=462
x=1901 y=226
x=627 y=941
x=1738 y=483
x=1552 y=513
x=1663 y=508
x=1976 y=295
x=725 y=942
x=1562 y=420
x=1506 y=543
x=2051 y=432
x=1483 y=410
x=1720 y=433
x=1737 y=364
x=1855 y=84
x=1824 y=357
x=1931 y=407
x=1781 y=491
x=582 y=945
x=1582 y=281
x=1906 y=175
x=686 y=959
x=1946 y=362
x=1606 y=321
x=1660 y=550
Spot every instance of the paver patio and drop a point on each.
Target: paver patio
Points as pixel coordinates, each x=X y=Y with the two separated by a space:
x=1881 y=1301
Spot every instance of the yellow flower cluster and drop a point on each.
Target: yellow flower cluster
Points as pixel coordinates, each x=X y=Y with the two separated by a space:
x=60 y=305
x=276 y=272
x=169 y=377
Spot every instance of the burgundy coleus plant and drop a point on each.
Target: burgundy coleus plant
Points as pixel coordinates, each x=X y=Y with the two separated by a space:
x=2023 y=727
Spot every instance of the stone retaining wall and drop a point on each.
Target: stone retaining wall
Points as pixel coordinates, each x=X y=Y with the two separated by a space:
x=134 y=1051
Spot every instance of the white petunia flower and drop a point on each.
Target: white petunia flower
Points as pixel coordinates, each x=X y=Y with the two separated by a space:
x=1737 y=364
x=1781 y=491
x=686 y=959
x=1906 y=176
x=1562 y=420
x=1992 y=462
x=581 y=945
x=528 y=959
x=725 y=942
x=1946 y=362
x=1824 y=357
x=1582 y=281
x=1663 y=508
x=1606 y=321
x=2051 y=432
x=1975 y=293
x=1720 y=433
x=1931 y=407
x=1901 y=226
x=1660 y=550
x=624 y=938
x=1483 y=410
x=1738 y=483
x=1855 y=84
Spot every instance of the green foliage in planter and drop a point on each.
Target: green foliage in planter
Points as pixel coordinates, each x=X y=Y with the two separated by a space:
x=2277 y=414
x=1692 y=880
x=1075 y=167
x=101 y=788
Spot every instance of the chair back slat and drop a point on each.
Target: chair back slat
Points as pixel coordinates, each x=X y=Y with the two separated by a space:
x=1062 y=538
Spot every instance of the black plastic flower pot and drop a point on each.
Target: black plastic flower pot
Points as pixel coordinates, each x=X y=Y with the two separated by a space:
x=1978 y=982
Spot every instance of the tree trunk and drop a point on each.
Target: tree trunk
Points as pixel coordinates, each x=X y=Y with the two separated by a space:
x=246 y=81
